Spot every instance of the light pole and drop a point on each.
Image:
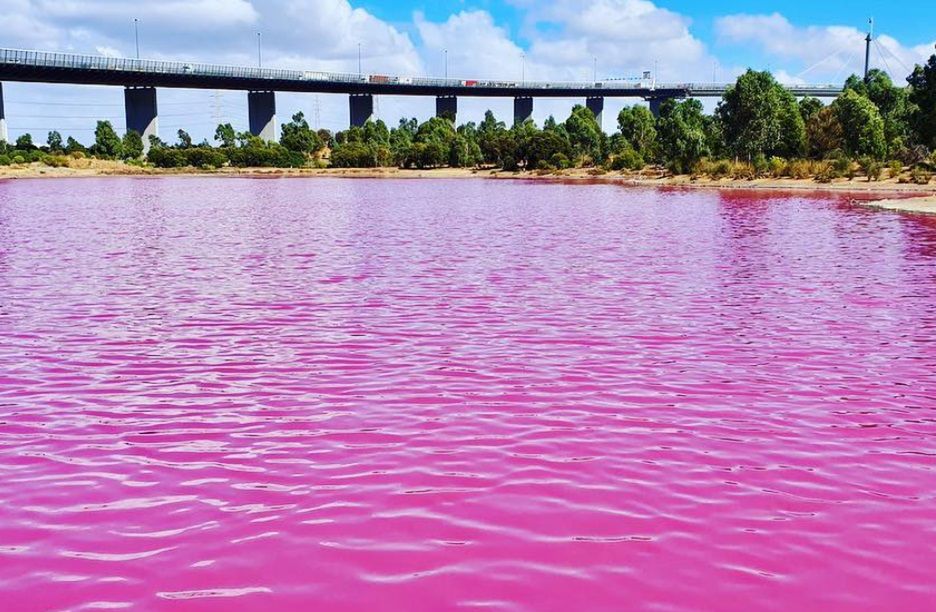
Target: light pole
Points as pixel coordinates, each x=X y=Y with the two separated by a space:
x=360 y=70
x=136 y=35
x=523 y=67
x=595 y=71
x=259 y=50
x=446 y=62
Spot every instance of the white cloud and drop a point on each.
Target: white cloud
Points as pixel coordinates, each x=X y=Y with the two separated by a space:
x=188 y=14
x=821 y=52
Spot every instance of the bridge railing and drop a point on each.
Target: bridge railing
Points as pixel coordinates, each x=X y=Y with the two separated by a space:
x=51 y=59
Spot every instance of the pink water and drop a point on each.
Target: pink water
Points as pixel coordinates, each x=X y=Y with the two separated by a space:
x=221 y=394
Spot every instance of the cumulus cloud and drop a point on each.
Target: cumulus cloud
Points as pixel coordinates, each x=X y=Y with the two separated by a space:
x=820 y=52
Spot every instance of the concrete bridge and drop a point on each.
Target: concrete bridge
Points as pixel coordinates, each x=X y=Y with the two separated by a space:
x=141 y=78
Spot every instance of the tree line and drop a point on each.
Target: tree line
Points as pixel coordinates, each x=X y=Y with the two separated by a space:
x=758 y=128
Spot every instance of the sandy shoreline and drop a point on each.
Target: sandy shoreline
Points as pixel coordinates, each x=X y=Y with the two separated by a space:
x=886 y=195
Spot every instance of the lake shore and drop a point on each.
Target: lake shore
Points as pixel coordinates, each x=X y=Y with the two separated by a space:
x=887 y=194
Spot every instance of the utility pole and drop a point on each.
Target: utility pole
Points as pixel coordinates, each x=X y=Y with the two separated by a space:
x=868 y=42
x=259 y=50
x=136 y=35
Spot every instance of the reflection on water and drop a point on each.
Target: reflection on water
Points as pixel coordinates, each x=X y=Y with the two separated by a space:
x=426 y=394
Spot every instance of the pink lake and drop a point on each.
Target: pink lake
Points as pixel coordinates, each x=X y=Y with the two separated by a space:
x=236 y=394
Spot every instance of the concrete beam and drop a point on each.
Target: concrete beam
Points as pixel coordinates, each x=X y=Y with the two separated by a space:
x=4 y=134
x=362 y=109
x=261 y=109
x=447 y=106
x=141 y=112
x=523 y=110
x=596 y=105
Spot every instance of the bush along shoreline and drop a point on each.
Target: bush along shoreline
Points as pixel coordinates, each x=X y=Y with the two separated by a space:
x=874 y=130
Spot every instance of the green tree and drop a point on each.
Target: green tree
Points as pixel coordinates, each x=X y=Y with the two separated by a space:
x=25 y=143
x=862 y=125
x=585 y=134
x=132 y=145
x=106 y=141
x=226 y=135
x=185 y=141
x=681 y=130
x=923 y=96
x=638 y=126
x=825 y=133
x=761 y=117
x=73 y=146
x=299 y=137
x=491 y=134
x=55 y=142
x=893 y=103
x=376 y=133
x=809 y=107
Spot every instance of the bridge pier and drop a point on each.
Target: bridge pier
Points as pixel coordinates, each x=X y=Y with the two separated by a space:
x=362 y=109
x=261 y=109
x=4 y=134
x=655 y=104
x=141 y=113
x=447 y=107
x=523 y=110
x=596 y=105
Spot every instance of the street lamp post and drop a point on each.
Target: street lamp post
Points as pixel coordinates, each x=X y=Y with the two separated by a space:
x=595 y=70
x=446 y=63
x=360 y=69
x=136 y=35
x=259 y=50
x=523 y=67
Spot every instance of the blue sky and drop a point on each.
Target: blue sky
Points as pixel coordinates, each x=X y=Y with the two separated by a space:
x=818 y=42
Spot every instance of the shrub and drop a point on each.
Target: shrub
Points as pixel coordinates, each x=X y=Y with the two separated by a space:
x=871 y=167
x=760 y=165
x=895 y=168
x=5 y=160
x=777 y=166
x=800 y=169
x=19 y=159
x=628 y=159
x=560 y=161
x=742 y=171
x=920 y=176
x=842 y=166
x=55 y=161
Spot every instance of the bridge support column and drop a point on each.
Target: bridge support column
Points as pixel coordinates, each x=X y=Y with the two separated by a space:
x=523 y=110
x=362 y=109
x=655 y=104
x=447 y=107
x=261 y=109
x=141 y=113
x=596 y=105
x=4 y=134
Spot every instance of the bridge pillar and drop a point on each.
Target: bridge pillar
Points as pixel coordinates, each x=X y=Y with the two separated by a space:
x=141 y=113
x=261 y=109
x=362 y=109
x=523 y=110
x=4 y=135
x=655 y=104
x=596 y=105
x=447 y=107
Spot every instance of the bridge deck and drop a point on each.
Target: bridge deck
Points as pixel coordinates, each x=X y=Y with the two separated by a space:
x=50 y=67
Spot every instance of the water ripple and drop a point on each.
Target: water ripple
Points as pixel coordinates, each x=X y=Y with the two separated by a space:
x=356 y=395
